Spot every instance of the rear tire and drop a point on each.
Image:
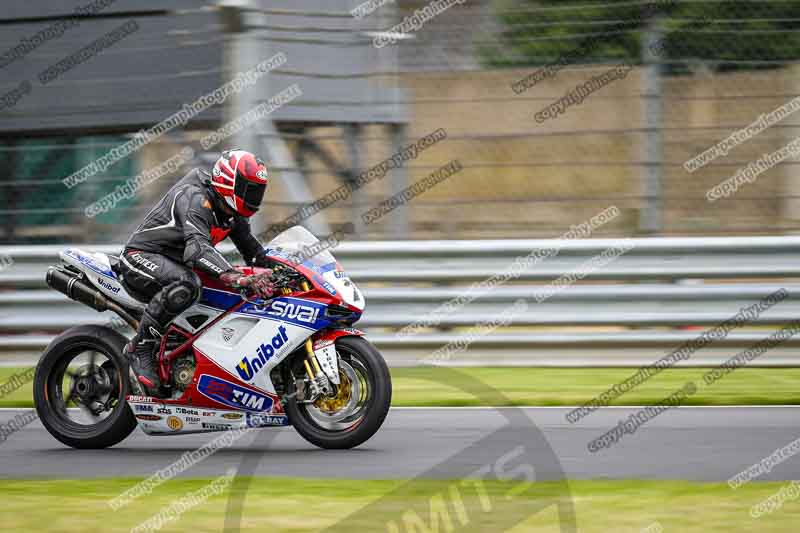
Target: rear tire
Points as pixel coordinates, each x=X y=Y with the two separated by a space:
x=375 y=411
x=47 y=388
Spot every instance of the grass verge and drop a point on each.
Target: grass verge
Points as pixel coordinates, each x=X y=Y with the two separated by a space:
x=428 y=386
x=294 y=505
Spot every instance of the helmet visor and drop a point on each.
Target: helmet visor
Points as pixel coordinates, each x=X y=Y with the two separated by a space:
x=250 y=193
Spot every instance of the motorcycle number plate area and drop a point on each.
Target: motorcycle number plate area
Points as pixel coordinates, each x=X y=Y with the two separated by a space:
x=326 y=355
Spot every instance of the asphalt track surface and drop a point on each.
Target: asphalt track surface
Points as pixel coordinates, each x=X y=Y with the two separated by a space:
x=704 y=444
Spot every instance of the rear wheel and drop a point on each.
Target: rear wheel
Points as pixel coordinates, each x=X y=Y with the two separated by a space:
x=80 y=388
x=360 y=405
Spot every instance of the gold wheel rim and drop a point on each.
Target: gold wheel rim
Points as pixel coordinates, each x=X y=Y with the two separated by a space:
x=343 y=395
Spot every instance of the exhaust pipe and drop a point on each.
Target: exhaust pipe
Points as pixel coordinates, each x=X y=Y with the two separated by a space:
x=75 y=288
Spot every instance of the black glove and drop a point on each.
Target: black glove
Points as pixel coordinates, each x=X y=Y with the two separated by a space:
x=261 y=260
x=259 y=284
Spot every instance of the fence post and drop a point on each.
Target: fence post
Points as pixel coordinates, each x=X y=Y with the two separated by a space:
x=245 y=25
x=651 y=213
x=400 y=227
x=352 y=137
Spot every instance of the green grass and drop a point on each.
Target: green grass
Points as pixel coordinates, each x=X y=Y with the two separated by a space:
x=574 y=386
x=294 y=505
x=431 y=386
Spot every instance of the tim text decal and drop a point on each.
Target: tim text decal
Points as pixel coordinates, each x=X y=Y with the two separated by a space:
x=233 y=395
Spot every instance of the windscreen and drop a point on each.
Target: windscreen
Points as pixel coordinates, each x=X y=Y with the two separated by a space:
x=299 y=246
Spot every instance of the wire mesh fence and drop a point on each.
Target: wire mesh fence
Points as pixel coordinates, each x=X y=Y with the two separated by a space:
x=555 y=109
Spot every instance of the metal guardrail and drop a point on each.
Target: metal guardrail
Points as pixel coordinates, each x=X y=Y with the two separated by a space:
x=422 y=275
x=398 y=262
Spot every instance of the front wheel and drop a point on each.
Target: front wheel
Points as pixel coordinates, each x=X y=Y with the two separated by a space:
x=80 y=387
x=359 y=406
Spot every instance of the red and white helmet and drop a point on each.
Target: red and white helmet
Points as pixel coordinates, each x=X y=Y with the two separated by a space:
x=241 y=179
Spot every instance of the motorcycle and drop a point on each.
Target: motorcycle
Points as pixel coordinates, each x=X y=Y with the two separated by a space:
x=228 y=362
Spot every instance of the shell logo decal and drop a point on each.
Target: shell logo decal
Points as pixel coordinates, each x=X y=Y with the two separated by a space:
x=174 y=423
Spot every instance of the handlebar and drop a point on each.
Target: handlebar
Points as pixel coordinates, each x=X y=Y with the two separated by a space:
x=283 y=277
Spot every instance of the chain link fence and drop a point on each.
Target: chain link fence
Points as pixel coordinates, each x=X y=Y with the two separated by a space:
x=555 y=109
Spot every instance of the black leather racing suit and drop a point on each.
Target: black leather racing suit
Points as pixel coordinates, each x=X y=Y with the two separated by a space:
x=179 y=234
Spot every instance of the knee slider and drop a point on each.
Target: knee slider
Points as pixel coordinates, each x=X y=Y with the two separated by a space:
x=180 y=295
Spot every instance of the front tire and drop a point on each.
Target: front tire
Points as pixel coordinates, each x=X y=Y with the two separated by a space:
x=96 y=385
x=359 y=358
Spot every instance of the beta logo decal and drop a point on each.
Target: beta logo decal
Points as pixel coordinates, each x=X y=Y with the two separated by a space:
x=233 y=395
x=248 y=368
x=174 y=423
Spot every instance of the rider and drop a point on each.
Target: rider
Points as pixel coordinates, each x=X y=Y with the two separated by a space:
x=178 y=235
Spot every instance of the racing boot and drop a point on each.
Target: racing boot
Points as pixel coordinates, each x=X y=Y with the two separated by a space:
x=166 y=304
x=142 y=351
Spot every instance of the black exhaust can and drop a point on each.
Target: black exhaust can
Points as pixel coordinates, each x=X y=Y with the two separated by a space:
x=75 y=287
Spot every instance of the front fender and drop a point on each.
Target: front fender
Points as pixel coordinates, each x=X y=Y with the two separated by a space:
x=326 y=336
x=324 y=343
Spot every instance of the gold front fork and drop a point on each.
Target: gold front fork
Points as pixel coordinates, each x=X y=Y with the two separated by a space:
x=310 y=357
